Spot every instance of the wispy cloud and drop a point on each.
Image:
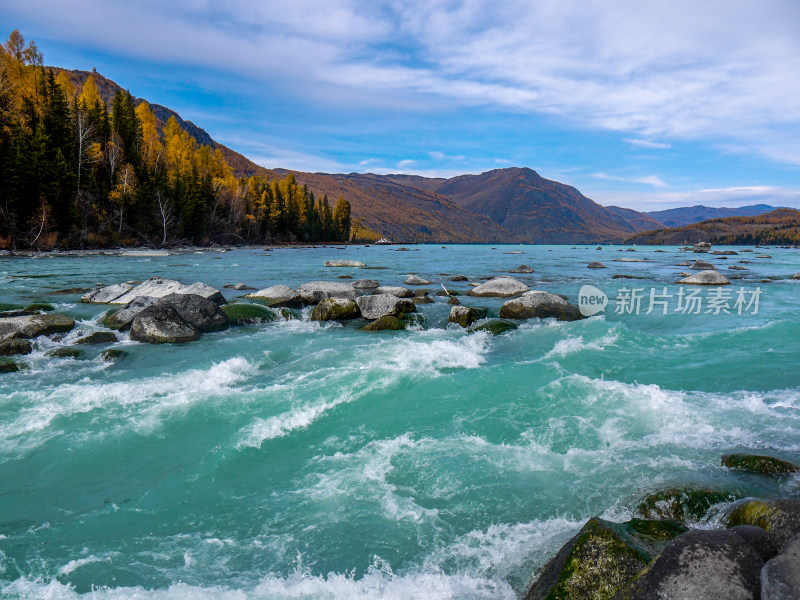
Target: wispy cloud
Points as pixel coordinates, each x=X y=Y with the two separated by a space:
x=729 y=197
x=648 y=144
x=442 y=156
x=653 y=180
x=406 y=164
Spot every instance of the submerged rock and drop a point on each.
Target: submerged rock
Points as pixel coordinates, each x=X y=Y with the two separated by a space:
x=466 y=315
x=766 y=465
x=495 y=326
x=10 y=366
x=31 y=326
x=379 y=305
x=541 y=305
x=701 y=265
x=700 y=564
x=343 y=263
x=522 y=269
x=279 y=296
x=238 y=286
x=14 y=347
x=602 y=559
x=65 y=353
x=335 y=309
x=686 y=505
x=315 y=292
x=385 y=323
x=98 y=337
x=414 y=280
x=113 y=355
x=39 y=307
x=247 y=314
x=199 y=312
x=161 y=324
x=459 y=278
x=706 y=278
x=596 y=265
x=779 y=518
x=499 y=287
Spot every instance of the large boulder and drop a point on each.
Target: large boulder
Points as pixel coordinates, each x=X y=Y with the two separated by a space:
x=161 y=324
x=541 y=305
x=706 y=278
x=686 y=505
x=343 y=263
x=755 y=463
x=415 y=280
x=379 y=305
x=15 y=346
x=335 y=309
x=158 y=287
x=712 y=565
x=394 y=290
x=780 y=577
x=123 y=317
x=465 y=315
x=365 y=284
x=201 y=313
x=499 y=287
x=601 y=559
x=31 y=326
x=702 y=265
x=279 y=296
x=105 y=295
x=779 y=518
x=315 y=292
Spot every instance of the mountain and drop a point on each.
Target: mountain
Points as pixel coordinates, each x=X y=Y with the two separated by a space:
x=640 y=221
x=533 y=209
x=514 y=205
x=686 y=215
x=780 y=226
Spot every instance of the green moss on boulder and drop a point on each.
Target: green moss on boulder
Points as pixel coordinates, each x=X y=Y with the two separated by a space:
x=601 y=559
x=766 y=465
x=495 y=326
x=40 y=306
x=65 y=353
x=14 y=347
x=385 y=323
x=779 y=518
x=687 y=505
x=248 y=314
x=113 y=355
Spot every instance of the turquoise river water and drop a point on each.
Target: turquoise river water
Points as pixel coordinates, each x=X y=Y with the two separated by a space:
x=295 y=459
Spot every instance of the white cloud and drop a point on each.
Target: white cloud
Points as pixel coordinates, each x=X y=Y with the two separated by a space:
x=442 y=156
x=648 y=144
x=653 y=180
x=406 y=164
x=721 y=71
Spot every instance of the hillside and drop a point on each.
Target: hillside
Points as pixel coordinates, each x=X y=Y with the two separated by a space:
x=781 y=226
x=640 y=221
x=532 y=208
x=686 y=215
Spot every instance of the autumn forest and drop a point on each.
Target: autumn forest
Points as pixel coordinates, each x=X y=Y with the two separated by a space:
x=76 y=172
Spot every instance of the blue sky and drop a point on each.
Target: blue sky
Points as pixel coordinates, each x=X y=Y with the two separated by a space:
x=641 y=104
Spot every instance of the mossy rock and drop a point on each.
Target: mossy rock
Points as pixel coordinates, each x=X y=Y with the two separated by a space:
x=602 y=558
x=495 y=326
x=248 y=314
x=108 y=321
x=449 y=293
x=40 y=306
x=113 y=355
x=765 y=465
x=779 y=518
x=15 y=347
x=290 y=313
x=5 y=306
x=98 y=337
x=687 y=505
x=65 y=353
x=385 y=323
x=10 y=366
x=414 y=319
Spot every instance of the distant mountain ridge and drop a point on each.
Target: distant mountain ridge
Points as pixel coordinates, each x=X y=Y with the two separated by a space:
x=686 y=215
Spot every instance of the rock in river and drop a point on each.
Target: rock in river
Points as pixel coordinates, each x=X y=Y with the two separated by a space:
x=122 y=318
x=31 y=326
x=706 y=278
x=756 y=463
x=279 y=296
x=379 y=305
x=701 y=265
x=780 y=577
x=465 y=315
x=365 y=284
x=499 y=287
x=161 y=324
x=199 y=312
x=394 y=290
x=522 y=269
x=335 y=309
x=315 y=292
x=344 y=263
x=779 y=518
x=385 y=323
x=414 y=280
x=541 y=305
